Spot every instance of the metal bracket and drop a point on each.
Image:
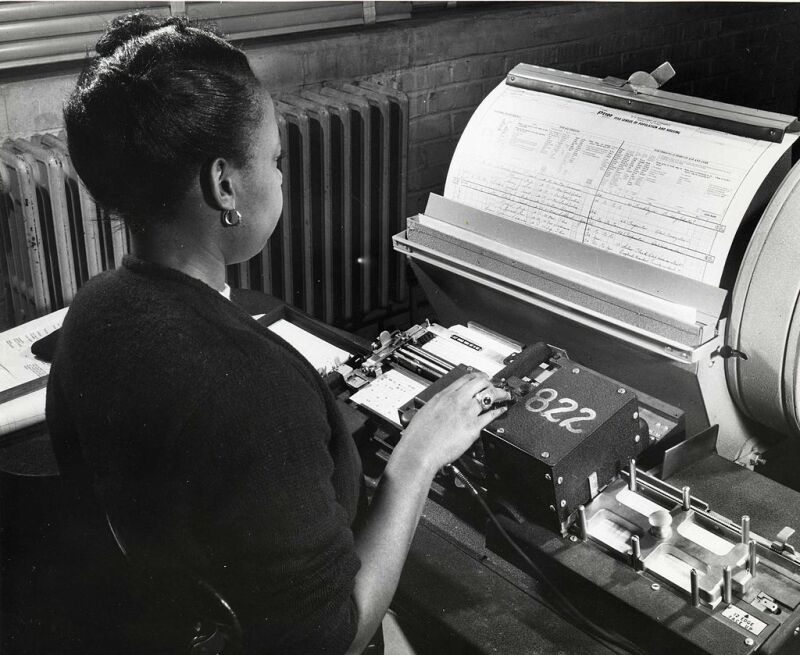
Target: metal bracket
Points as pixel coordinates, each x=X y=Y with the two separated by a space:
x=781 y=543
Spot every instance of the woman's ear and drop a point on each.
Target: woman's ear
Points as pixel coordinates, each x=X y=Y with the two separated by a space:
x=216 y=180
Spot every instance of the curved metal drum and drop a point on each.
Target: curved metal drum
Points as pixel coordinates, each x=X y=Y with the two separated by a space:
x=765 y=316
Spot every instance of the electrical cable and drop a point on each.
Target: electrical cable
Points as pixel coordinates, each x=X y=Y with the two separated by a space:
x=614 y=641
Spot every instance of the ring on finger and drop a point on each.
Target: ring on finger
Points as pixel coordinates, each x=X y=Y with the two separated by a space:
x=484 y=398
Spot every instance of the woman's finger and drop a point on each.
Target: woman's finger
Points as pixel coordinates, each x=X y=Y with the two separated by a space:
x=487 y=417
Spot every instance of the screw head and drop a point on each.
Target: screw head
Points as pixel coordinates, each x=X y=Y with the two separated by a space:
x=501 y=430
x=748 y=641
x=796 y=632
x=545 y=454
x=573 y=538
x=563 y=503
x=637 y=438
x=636 y=415
x=655 y=586
x=620 y=390
x=547 y=476
x=552 y=508
x=560 y=480
x=576 y=370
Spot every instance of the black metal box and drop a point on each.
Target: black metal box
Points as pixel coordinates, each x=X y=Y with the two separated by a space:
x=561 y=443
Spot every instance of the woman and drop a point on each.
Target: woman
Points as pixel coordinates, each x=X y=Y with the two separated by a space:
x=211 y=444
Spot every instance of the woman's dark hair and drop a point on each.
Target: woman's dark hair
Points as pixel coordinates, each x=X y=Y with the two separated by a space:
x=161 y=99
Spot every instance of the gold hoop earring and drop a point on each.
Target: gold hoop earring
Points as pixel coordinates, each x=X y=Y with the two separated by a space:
x=231 y=218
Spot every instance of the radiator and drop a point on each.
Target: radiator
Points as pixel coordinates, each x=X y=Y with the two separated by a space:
x=344 y=187
x=344 y=190
x=51 y=237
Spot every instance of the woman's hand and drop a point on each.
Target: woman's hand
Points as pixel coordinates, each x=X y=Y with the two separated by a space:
x=452 y=420
x=437 y=435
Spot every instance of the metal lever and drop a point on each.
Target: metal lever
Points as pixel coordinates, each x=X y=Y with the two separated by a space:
x=654 y=80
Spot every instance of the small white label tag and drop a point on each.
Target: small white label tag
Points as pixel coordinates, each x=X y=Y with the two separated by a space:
x=743 y=619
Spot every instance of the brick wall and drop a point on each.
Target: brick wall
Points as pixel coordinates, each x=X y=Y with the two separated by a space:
x=746 y=54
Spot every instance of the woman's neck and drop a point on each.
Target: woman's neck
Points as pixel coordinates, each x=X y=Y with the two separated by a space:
x=173 y=248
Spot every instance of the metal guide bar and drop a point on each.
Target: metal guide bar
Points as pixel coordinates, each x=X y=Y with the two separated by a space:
x=618 y=94
x=641 y=338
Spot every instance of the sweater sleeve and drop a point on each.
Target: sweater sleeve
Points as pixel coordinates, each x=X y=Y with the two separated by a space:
x=275 y=532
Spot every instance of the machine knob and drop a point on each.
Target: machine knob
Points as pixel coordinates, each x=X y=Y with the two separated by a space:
x=661 y=524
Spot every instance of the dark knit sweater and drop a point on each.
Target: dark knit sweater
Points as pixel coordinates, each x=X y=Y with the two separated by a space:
x=213 y=446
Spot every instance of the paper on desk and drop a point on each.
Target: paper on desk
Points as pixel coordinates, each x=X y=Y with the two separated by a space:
x=17 y=362
x=323 y=356
x=387 y=393
x=664 y=193
x=18 y=365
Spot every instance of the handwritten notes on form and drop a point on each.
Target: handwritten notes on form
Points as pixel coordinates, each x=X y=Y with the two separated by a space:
x=664 y=193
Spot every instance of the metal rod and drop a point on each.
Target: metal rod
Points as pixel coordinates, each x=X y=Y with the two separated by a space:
x=417 y=365
x=582 y=525
x=428 y=355
x=687 y=498
x=745 y=529
x=636 y=551
x=667 y=491
x=695 y=588
x=751 y=564
x=726 y=585
x=632 y=475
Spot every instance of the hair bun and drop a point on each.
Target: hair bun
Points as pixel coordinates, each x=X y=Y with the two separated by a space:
x=124 y=28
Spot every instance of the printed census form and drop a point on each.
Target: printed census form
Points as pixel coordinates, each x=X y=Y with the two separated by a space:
x=660 y=192
x=18 y=365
